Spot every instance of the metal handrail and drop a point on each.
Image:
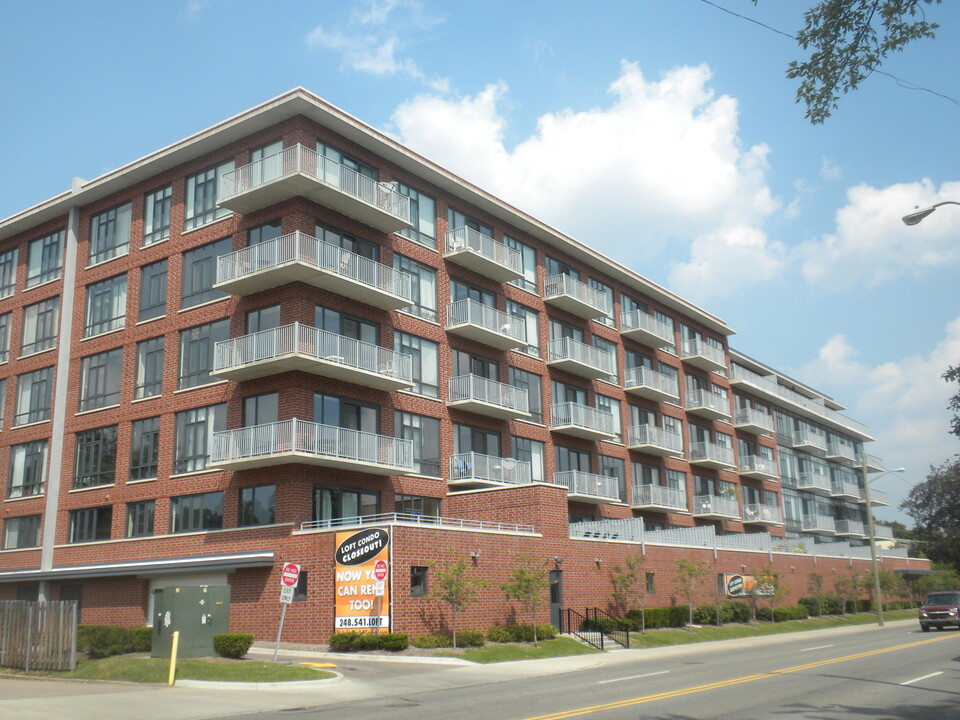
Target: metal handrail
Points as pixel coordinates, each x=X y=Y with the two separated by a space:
x=711 y=451
x=570 y=619
x=693 y=348
x=410 y=518
x=467 y=311
x=715 y=505
x=557 y=285
x=591 y=418
x=620 y=635
x=578 y=482
x=471 y=465
x=753 y=512
x=640 y=320
x=752 y=416
x=707 y=399
x=645 y=377
x=466 y=238
x=567 y=348
x=653 y=435
x=660 y=496
x=757 y=463
x=475 y=387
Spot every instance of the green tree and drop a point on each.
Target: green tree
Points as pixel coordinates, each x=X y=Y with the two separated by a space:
x=815 y=588
x=528 y=585
x=755 y=590
x=688 y=579
x=630 y=587
x=953 y=375
x=453 y=584
x=934 y=505
x=849 y=40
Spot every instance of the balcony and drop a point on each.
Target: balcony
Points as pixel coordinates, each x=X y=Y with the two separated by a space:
x=707 y=404
x=299 y=257
x=482 y=254
x=307 y=443
x=701 y=355
x=809 y=442
x=587 y=487
x=646 y=329
x=487 y=397
x=758 y=468
x=581 y=421
x=850 y=528
x=653 y=440
x=883 y=532
x=307 y=349
x=298 y=171
x=575 y=297
x=758 y=514
x=473 y=470
x=709 y=455
x=580 y=359
x=657 y=498
x=819 y=525
x=878 y=498
x=844 y=489
x=713 y=507
x=839 y=452
x=874 y=464
x=814 y=483
x=753 y=421
x=652 y=385
x=484 y=324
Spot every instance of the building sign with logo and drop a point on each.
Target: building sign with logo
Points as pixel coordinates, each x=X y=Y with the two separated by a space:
x=746 y=585
x=362 y=580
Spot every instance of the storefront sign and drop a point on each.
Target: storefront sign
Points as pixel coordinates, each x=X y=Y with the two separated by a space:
x=362 y=580
x=744 y=585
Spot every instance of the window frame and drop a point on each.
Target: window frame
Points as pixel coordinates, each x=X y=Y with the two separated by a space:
x=95 y=457
x=37 y=319
x=154 y=231
x=107 y=231
x=153 y=290
x=46 y=264
x=144 y=445
x=198 y=273
x=205 y=513
x=191 y=453
x=101 y=375
x=203 y=186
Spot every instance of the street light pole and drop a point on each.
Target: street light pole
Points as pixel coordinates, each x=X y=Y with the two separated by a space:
x=920 y=213
x=872 y=535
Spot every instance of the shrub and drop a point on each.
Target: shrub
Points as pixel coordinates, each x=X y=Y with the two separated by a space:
x=546 y=631
x=232 y=645
x=343 y=641
x=366 y=641
x=100 y=641
x=764 y=614
x=394 y=642
x=662 y=617
x=791 y=612
x=432 y=640
x=499 y=634
x=141 y=639
x=730 y=611
x=469 y=638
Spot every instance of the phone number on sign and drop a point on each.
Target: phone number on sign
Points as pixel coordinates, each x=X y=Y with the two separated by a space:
x=360 y=622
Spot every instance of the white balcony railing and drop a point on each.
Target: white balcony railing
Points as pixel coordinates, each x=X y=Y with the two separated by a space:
x=703 y=354
x=581 y=416
x=302 y=438
x=877 y=497
x=648 y=328
x=765 y=514
x=756 y=465
x=844 y=488
x=569 y=349
x=841 y=452
x=805 y=438
x=819 y=523
x=850 y=527
x=705 y=452
x=709 y=402
x=659 y=496
x=466 y=239
x=488 y=468
x=584 y=300
x=639 y=379
x=489 y=319
x=752 y=418
x=588 y=484
x=488 y=392
x=651 y=435
x=715 y=505
x=814 y=482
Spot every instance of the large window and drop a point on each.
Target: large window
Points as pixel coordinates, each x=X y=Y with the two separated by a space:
x=558 y=267
x=40 y=326
x=149 y=382
x=607 y=293
x=144 y=448
x=45 y=259
x=34 y=391
x=8 y=272
x=106 y=306
x=193 y=433
x=5 y=336
x=349 y=326
x=425 y=362
x=528 y=257
x=200 y=272
x=140 y=518
x=460 y=290
x=200 y=201
x=21 y=532
x=611 y=349
x=457 y=220
x=571 y=459
x=110 y=234
x=261 y=409
x=28 y=469
x=425 y=433
x=417 y=505
x=423 y=286
x=153 y=290
x=467 y=439
x=531 y=451
x=263 y=233
x=257 y=505
x=333 y=503
x=531 y=323
x=90 y=524
x=96 y=457
x=533 y=384
x=156 y=215
x=196 y=352
x=615 y=467
x=100 y=377
x=423 y=216
x=340 y=239
x=191 y=513
x=339 y=412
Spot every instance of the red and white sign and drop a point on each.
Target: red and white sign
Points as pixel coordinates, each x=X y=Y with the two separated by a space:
x=380 y=570
x=290 y=575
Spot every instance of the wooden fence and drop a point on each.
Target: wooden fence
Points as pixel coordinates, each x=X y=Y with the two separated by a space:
x=38 y=636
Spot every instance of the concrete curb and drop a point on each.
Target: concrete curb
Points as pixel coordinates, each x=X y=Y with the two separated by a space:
x=342 y=657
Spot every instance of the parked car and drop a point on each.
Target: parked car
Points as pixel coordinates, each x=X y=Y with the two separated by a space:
x=940 y=610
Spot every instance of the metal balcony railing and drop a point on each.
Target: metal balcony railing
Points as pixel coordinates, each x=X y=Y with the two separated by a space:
x=707 y=400
x=578 y=482
x=489 y=468
x=569 y=349
x=659 y=496
x=710 y=452
x=644 y=377
x=751 y=417
x=819 y=523
x=692 y=349
x=804 y=437
x=756 y=464
x=814 y=482
x=759 y=513
x=557 y=286
x=490 y=392
x=582 y=416
x=641 y=323
x=844 y=488
x=471 y=312
x=715 y=505
x=640 y=435
x=841 y=451
x=849 y=527
x=466 y=238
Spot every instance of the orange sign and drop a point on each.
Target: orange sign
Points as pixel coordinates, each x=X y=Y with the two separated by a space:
x=362 y=580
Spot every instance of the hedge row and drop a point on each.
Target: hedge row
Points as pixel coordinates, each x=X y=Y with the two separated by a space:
x=496 y=634
x=352 y=641
x=100 y=641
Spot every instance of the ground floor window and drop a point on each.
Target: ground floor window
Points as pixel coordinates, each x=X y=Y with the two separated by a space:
x=418 y=581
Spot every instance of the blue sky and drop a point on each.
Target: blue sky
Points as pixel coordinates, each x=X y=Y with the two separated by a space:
x=663 y=133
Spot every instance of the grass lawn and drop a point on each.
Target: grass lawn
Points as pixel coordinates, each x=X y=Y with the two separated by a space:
x=497 y=652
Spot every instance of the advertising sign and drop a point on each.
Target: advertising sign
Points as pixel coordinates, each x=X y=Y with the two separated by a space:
x=362 y=580
x=743 y=585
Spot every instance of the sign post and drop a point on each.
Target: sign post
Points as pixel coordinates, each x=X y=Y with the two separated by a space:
x=289 y=577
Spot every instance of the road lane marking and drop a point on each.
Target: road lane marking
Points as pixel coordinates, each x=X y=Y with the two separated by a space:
x=633 y=677
x=727 y=683
x=818 y=647
x=925 y=677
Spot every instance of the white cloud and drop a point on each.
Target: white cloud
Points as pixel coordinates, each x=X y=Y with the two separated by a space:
x=662 y=163
x=871 y=245
x=829 y=170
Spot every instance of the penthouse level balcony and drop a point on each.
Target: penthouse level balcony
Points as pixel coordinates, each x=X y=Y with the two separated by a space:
x=849 y=528
x=844 y=489
x=298 y=257
x=654 y=440
x=299 y=171
x=587 y=487
x=878 y=498
x=580 y=359
x=487 y=397
x=758 y=468
x=883 y=532
x=646 y=329
x=307 y=443
x=581 y=421
x=575 y=297
x=657 y=498
x=482 y=254
x=809 y=442
x=759 y=514
x=703 y=355
x=651 y=385
x=838 y=452
x=873 y=463
x=753 y=421
x=707 y=404
x=307 y=349
x=706 y=454
x=819 y=525
x=473 y=470
x=815 y=483
x=713 y=507
x=485 y=324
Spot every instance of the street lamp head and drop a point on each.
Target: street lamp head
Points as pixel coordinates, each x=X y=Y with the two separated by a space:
x=917 y=215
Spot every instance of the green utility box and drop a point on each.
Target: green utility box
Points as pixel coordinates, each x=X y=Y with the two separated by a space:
x=197 y=612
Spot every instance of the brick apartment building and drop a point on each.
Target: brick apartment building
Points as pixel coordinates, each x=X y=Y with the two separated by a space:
x=288 y=326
